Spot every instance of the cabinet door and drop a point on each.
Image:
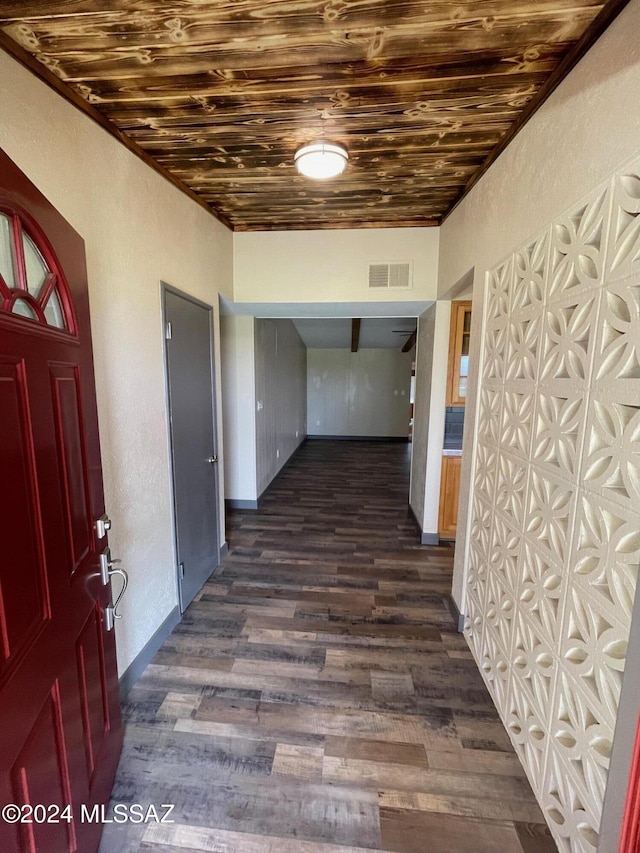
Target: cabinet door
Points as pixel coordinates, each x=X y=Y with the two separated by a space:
x=458 y=353
x=449 y=491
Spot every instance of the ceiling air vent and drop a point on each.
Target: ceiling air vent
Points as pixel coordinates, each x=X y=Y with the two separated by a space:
x=390 y=276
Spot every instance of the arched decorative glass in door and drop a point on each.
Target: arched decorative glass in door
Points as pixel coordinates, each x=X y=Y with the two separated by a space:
x=32 y=285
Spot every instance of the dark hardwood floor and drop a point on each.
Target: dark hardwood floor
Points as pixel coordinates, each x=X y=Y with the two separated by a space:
x=316 y=698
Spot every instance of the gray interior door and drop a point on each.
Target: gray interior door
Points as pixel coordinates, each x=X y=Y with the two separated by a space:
x=193 y=439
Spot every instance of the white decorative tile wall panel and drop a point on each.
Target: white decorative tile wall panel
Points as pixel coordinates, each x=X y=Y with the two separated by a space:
x=555 y=526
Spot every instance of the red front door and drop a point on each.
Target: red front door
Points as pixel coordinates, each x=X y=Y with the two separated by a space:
x=60 y=729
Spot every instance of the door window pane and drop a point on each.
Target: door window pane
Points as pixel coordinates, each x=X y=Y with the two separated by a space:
x=464 y=373
x=37 y=270
x=23 y=309
x=6 y=262
x=53 y=312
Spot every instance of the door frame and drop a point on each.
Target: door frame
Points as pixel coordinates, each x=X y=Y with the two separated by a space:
x=164 y=289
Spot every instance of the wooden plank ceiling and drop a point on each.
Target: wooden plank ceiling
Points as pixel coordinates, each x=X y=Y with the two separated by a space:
x=422 y=93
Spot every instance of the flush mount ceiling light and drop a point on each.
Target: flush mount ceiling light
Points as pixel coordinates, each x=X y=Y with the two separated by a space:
x=321 y=160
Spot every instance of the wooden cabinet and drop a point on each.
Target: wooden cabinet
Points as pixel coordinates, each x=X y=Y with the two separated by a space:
x=458 y=372
x=458 y=353
x=449 y=490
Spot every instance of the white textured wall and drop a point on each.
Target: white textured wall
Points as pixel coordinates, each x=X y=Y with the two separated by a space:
x=547 y=551
x=281 y=392
x=238 y=407
x=138 y=230
x=328 y=380
x=365 y=393
x=331 y=266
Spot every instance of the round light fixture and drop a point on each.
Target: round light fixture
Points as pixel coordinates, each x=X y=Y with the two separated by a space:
x=321 y=160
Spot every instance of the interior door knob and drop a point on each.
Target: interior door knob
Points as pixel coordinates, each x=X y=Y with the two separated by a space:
x=212 y=459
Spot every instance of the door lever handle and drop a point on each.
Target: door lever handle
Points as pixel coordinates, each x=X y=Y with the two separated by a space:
x=107 y=571
x=111 y=610
x=125 y=584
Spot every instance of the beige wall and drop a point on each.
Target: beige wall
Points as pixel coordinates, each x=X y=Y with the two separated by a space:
x=238 y=407
x=138 y=230
x=331 y=266
x=365 y=393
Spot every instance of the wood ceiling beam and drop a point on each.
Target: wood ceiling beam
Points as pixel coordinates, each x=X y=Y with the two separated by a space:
x=410 y=342
x=355 y=333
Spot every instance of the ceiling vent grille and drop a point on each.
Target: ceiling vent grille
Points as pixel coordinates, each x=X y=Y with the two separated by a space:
x=390 y=276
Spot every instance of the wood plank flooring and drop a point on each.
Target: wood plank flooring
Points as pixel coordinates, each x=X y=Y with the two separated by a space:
x=316 y=698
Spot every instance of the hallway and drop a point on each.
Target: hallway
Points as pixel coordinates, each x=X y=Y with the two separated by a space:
x=316 y=697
